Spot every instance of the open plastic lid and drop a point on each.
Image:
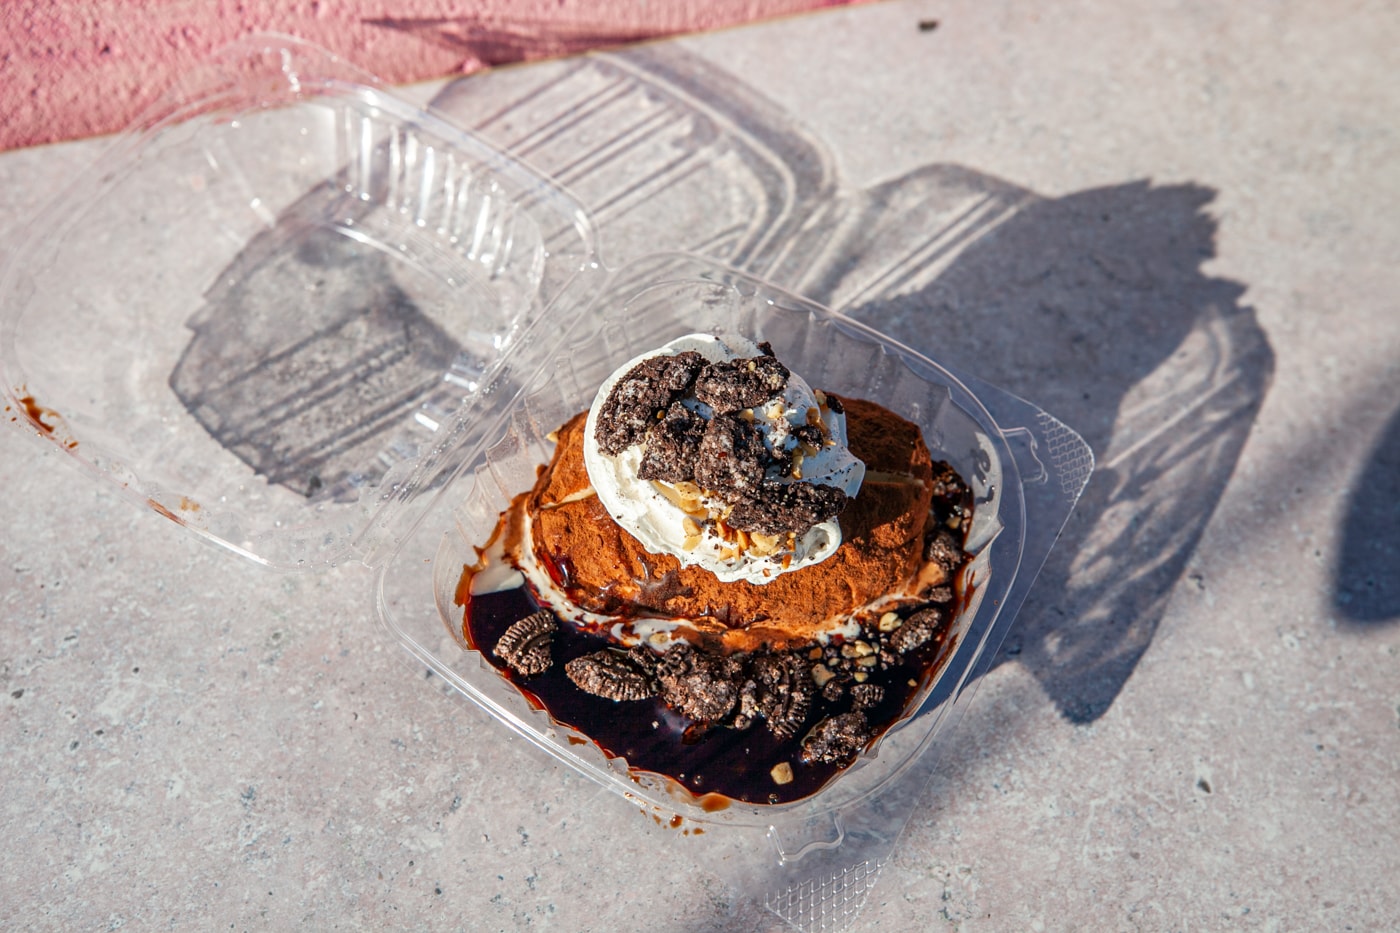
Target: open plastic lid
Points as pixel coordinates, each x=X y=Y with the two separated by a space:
x=258 y=312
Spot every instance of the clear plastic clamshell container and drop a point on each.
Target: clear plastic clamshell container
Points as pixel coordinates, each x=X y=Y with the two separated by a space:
x=329 y=277
x=353 y=325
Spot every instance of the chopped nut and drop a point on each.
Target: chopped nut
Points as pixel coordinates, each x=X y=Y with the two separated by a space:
x=687 y=502
x=890 y=621
x=821 y=674
x=781 y=773
x=762 y=544
x=869 y=660
x=860 y=677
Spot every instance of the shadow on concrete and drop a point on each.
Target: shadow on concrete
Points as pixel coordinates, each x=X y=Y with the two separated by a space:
x=1107 y=320
x=1095 y=306
x=1366 y=582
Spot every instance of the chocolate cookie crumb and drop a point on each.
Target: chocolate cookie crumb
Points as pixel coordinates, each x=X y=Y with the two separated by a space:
x=837 y=740
x=780 y=508
x=916 y=630
x=732 y=457
x=784 y=691
x=947 y=484
x=738 y=384
x=611 y=675
x=637 y=398
x=811 y=435
x=672 y=445
x=944 y=551
x=525 y=645
x=866 y=696
x=938 y=594
x=701 y=686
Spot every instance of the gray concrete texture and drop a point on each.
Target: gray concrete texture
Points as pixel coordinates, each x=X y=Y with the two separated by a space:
x=1195 y=723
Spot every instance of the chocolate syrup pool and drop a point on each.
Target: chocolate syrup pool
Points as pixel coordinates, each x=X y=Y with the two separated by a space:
x=715 y=763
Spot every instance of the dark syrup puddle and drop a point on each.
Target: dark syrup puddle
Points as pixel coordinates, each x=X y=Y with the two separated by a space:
x=733 y=763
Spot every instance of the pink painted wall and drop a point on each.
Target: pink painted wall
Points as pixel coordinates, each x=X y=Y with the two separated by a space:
x=73 y=68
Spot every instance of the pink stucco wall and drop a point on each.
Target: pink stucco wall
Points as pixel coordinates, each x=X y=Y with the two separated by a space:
x=72 y=68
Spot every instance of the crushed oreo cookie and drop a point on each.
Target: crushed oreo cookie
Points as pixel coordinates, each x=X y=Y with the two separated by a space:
x=611 y=674
x=944 y=550
x=732 y=458
x=780 y=689
x=779 y=508
x=916 y=630
x=699 y=685
x=672 y=446
x=810 y=435
x=647 y=390
x=525 y=645
x=866 y=696
x=938 y=594
x=838 y=739
x=739 y=384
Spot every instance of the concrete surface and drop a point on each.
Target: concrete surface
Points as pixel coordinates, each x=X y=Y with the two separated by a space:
x=1196 y=723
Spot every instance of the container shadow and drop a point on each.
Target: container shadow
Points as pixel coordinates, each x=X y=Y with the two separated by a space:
x=1366 y=581
x=1095 y=305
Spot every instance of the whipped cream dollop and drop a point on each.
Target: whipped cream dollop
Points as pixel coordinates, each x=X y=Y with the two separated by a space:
x=712 y=451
